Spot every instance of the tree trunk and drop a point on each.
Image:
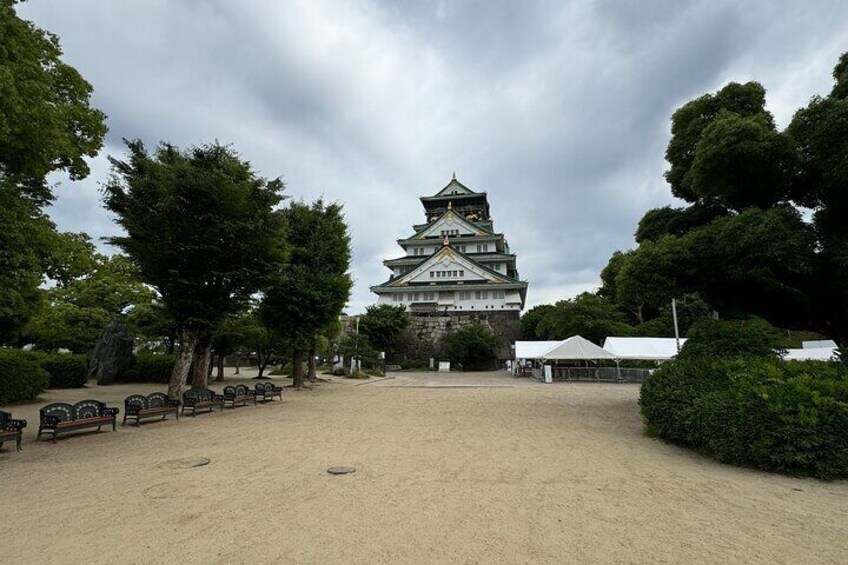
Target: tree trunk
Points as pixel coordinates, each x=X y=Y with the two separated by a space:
x=220 y=376
x=238 y=362
x=313 y=370
x=297 y=368
x=182 y=365
x=202 y=359
x=261 y=362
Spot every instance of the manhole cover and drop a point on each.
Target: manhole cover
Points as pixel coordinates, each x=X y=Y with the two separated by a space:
x=341 y=470
x=185 y=463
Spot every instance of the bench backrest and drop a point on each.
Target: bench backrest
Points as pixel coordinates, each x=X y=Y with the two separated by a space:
x=61 y=410
x=260 y=388
x=139 y=399
x=88 y=409
x=269 y=386
x=4 y=417
x=230 y=390
x=242 y=390
x=202 y=395
x=156 y=400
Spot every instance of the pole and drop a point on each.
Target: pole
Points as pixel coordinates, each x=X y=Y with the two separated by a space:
x=676 y=331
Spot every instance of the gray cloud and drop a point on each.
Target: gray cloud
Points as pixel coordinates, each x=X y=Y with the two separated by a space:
x=559 y=110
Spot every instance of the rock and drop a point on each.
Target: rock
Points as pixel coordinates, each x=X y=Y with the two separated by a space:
x=112 y=354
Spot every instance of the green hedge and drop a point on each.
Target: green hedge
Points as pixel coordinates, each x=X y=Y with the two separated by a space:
x=789 y=417
x=21 y=377
x=65 y=371
x=149 y=368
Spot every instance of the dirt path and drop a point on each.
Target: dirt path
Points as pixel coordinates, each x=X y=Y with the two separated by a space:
x=514 y=473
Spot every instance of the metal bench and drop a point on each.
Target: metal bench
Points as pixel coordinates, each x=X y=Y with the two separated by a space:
x=11 y=429
x=138 y=407
x=238 y=395
x=204 y=400
x=267 y=391
x=61 y=417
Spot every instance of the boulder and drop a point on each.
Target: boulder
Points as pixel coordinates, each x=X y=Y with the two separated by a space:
x=112 y=354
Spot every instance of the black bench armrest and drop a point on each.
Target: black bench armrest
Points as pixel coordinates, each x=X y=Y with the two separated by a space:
x=171 y=403
x=16 y=425
x=111 y=412
x=133 y=409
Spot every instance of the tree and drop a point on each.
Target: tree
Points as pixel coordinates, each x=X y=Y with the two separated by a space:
x=202 y=229
x=531 y=319
x=312 y=289
x=473 y=347
x=647 y=278
x=67 y=326
x=383 y=325
x=587 y=315
x=46 y=121
x=753 y=337
x=690 y=122
x=818 y=134
x=46 y=125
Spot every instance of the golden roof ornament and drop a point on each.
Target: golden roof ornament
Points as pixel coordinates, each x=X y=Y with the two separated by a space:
x=445 y=241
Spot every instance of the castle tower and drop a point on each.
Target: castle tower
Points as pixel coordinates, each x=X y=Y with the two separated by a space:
x=455 y=263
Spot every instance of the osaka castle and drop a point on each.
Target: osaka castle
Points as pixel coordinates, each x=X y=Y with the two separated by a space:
x=455 y=262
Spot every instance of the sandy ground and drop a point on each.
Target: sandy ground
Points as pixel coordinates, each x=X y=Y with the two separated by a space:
x=450 y=469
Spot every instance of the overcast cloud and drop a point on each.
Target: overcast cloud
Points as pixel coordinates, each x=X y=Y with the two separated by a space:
x=560 y=110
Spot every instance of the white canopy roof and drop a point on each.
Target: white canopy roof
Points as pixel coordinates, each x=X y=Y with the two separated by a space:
x=533 y=349
x=577 y=348
x=818 y=343
x=811 y=354
x=645 y=348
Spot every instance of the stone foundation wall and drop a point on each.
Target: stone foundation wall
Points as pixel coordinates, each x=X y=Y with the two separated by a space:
x=424 y=334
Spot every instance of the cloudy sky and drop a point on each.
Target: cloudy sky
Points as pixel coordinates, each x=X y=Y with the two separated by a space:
x=559 y=110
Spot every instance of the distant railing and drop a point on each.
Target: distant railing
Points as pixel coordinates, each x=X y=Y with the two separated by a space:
x=601 y=374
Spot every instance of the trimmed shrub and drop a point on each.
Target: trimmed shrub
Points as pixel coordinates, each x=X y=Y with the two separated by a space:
x=21 y=377
x=149 y=368
x=753 y=337
x=789 y=417
x=473 y=348
x=416 y=364
x=66 y=371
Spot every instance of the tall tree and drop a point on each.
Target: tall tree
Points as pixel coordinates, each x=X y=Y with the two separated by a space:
x=819 y=134
x=587 y=315
x=202 y=229
x=383 y=325
x=46 y=124
x=313 y=288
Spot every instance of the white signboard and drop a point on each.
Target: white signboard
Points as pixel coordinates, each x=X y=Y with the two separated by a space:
x=549 y=374
x=444 y=366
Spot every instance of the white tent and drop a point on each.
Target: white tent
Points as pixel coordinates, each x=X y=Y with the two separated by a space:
x=577 y=348
x=643 y=348
x=533 y=349
x=811 y=354
x=817 y=344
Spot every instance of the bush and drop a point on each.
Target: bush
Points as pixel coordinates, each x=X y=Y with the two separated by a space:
x=21 y=377
x=149 y=368
x=789 y=417
x=753 y=337
x=65 y=371
x=473 y=348
x=415 y=364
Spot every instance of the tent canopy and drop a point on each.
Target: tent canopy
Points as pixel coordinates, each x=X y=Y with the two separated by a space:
x=577 y=348
x=533 y=349
x=643 y=348
x=811 y=354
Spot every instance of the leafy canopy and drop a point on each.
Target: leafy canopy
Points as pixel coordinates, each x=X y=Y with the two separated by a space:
x=201 y=227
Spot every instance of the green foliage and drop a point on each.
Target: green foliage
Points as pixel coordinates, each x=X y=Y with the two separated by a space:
x=353 y=346
x=383 y=325
x=66 y=326
x=531 y=319
x=660 y=222
x=65 y=370
x=149 y=368
x=21 y=377
x=309 y=293
x=753 y=337
x=46 y=122
x=773 y=415
x=690 y=308
x=472 y=348
x=46 y=125
x=200 y=227
x=588 y=315
x=414 y=364
x=689 y=123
